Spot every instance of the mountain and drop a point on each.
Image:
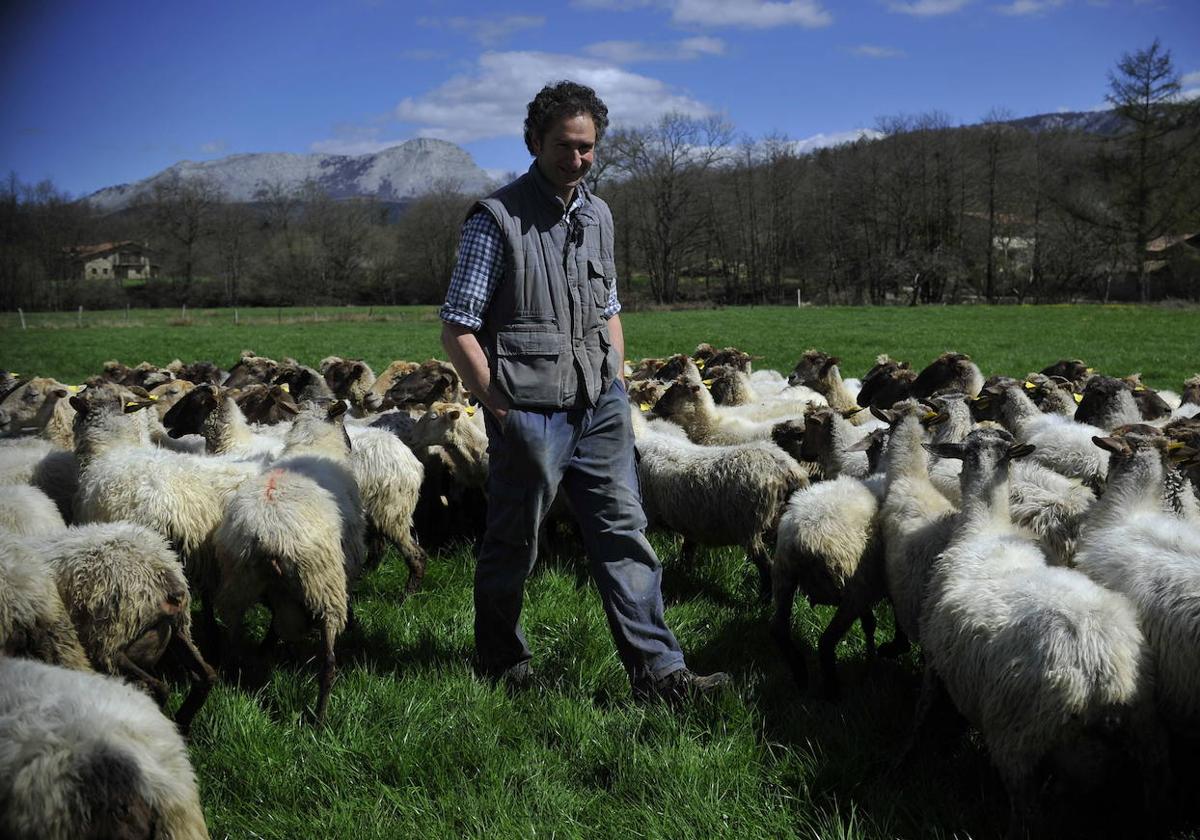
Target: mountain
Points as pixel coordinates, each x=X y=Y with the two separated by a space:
x=395 y=174
x=1103 y=123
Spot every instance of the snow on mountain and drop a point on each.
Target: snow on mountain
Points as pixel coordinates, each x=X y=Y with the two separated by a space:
x=400 y=172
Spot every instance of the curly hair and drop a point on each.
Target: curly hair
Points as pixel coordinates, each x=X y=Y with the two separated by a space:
x=563 y=99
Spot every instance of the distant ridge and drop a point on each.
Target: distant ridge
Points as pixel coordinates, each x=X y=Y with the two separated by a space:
x=397 y=173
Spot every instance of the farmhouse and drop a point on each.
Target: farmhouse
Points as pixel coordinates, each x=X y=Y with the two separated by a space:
x=126 y=260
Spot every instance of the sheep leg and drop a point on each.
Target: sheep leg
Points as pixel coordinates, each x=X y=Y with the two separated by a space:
x=687 y=552
x=784 y=586
x=202 y=674
x=867 y=620
x=932 y=690
x=762 y=562
x=414 y=558
x=328 y=671
x=1147 y=742
x=1021 y=785
x=843 y=619
x=897 y=647
x=157 y=687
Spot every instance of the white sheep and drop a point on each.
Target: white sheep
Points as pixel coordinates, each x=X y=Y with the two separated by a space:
x=33 y=620
x=692 y=407
x=293 y=535
x=26 y=511
x=716 y=496
x=45 y=466
x=179 y=495
x=915 y=520
x=1032 y=655
x=84 y=755
x=125 y=591
x=829 y=547
x=1131 y=546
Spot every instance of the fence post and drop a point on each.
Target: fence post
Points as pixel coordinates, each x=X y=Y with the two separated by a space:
x=184 y=313
x=127 y=314
x=79 y=317
x=235 y=316
x=798 y=303
x=21 y=312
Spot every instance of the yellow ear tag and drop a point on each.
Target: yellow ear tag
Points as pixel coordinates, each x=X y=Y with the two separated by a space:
x=470 y=411
x=1029 y=386
x=132 y=404
x=700 y=364
x=1078 y=397
x=285 y=388
x=928 y=415
x=153 y=396
x=1175 y=446
x=72 y=389
x=707 y=383
x=644 y=406
x=1140 y=388
x=1090 y=371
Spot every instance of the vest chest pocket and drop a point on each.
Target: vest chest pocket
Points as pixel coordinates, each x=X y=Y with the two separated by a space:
x=602 y=276
x=527 y=366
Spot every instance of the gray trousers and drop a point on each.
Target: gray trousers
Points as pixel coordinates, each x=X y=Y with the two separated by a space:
x=590 y=452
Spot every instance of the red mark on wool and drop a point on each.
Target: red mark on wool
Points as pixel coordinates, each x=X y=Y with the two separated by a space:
x=271 y=477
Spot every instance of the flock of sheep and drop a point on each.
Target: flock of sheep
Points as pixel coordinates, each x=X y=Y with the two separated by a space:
x=1039 y=539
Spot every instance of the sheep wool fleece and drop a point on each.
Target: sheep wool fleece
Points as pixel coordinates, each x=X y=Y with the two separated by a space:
x=590 y=451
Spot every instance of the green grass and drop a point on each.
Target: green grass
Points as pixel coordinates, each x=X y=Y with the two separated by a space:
x=1160 y=342
x=415 y=746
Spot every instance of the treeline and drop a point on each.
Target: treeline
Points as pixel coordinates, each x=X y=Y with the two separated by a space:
x=925 y=213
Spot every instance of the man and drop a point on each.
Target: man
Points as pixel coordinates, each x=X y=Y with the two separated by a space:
x=531 y=324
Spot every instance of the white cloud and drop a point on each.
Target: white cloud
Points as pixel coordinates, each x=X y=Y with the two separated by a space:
x=747 y=14
x=927 y=8
x=823 y=141
x=214 y=147
x=873 y=51
x=488 y=31
x=490 y=102
x=1020 y=8
x=1190 y=79
x=630 y=52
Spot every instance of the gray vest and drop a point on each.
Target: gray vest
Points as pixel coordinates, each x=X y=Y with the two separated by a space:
x=544 y=332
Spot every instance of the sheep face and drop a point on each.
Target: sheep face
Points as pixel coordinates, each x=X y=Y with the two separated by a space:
x=31 y=404
x=268 y=404
x=730 y=357
x=886 y=384
x=814 y=367
x=1191 y=391
x=1104 y=397
x=948 y=372
x=679 y=401
x=347 y=378
x=1072 y=370
x=433 y=381
x=250 y=370
x=679 y=365
x=438 y=426
x=1149 y=403
x=169 y=393
x=187 y=415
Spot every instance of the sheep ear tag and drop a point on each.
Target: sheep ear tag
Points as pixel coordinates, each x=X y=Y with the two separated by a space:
x=1078 y=397
x=285 y=388
x=707 y=383
x=700 y=364
x=470 y=411
x=1029 y=386
x=644 y=406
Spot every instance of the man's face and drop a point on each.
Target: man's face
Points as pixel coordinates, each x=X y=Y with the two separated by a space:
x=566 y=151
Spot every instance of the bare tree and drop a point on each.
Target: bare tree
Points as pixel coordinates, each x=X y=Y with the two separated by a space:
x=668 y=160
x=183 y=210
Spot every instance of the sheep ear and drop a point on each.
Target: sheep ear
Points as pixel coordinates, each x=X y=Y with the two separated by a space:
x=1181 y=453
x=883 y=414
x=955 y=451
x=454 y=415
x=1020 y=450
x=695 y=389
x=848 y=413
x=861 y=445
x=135 y=405
x=830 y=362
x=336 y=409
x=80 y=404
x=1112 y=444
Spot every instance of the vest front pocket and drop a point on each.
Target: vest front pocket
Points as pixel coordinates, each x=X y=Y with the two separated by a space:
x=603 y=278
x=528 y=366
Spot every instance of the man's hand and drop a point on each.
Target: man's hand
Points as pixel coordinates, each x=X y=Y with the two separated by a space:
x=468 y=358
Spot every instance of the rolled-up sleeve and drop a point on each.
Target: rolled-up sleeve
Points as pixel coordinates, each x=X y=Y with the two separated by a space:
x=477 y=272
x=614 y=305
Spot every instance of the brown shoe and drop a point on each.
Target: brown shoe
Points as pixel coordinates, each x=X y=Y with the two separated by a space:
x=679 y=686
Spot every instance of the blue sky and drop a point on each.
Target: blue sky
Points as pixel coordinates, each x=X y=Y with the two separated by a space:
x=98 y=93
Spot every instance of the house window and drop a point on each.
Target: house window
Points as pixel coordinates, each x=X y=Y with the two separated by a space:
x=92 y=271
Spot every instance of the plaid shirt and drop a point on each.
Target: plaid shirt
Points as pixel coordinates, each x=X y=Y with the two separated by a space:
x=480 y=268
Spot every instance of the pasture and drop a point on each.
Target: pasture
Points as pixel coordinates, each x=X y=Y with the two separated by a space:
x=415 y=746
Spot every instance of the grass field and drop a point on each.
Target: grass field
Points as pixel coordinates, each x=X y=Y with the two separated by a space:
x=415 y=746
